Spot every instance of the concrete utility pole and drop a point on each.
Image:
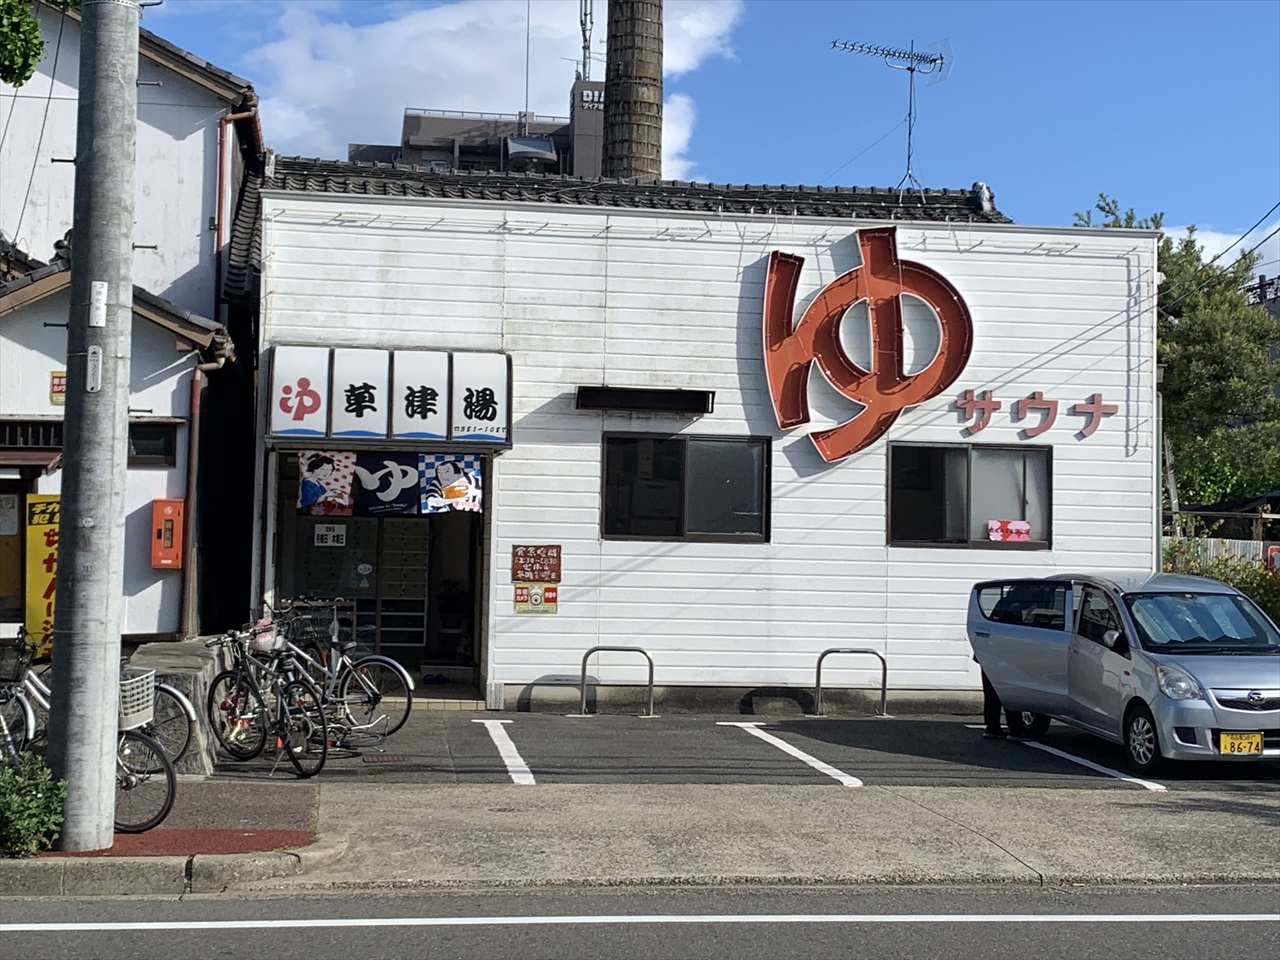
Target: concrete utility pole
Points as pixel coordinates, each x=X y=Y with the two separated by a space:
x=86 y=645
x=633 y=91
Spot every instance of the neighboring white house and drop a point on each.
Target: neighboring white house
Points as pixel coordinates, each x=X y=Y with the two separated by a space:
x=198 y=136
x=167 y=345
x=645 y=491
x=197 y=129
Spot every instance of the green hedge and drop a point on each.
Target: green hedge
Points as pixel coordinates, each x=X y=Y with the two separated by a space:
x=1251 y=577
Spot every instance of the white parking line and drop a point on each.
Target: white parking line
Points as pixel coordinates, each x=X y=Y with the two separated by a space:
x=516 y=766
x=830 y=771
x=1145 y=784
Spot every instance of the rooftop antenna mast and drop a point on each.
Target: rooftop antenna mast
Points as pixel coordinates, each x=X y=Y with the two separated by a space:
x=934 y=63
x=587 y=18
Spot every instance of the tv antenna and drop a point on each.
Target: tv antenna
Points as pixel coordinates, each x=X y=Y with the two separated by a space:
x=934 y=63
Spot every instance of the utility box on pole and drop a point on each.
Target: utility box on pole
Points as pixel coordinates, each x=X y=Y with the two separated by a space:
x=86 y=645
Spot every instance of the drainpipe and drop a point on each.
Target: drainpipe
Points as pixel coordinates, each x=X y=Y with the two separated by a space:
x=223 y=123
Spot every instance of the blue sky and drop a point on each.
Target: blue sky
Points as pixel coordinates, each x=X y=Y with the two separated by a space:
x=1168 y=106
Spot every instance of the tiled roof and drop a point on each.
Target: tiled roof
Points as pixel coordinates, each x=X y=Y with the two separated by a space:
x=399 y=180
x=15 y=262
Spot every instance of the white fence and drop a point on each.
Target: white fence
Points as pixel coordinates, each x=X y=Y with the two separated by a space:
x=1210 y=548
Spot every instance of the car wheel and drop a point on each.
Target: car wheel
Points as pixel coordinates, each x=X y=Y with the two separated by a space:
x=1034 y=725
x=1025 y=724
x=1141 y=740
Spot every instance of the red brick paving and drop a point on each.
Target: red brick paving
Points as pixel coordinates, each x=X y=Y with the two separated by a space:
x=184 y=843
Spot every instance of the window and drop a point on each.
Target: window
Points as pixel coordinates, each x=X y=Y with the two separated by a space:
x=1096 y=616
x=1033 y=603
x=980 y=496
x=685 y=488
x=153 y=444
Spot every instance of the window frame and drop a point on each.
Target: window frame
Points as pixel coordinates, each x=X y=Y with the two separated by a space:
x=766 y=488
x=167 y=461
x=969 y=543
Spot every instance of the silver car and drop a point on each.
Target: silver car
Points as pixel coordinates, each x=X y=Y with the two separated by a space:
x=1169 y=666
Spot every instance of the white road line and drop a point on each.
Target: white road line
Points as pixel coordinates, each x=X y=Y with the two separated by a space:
x=516 y=766
x=1145 y=784
x=615 y=920
x=830 y=771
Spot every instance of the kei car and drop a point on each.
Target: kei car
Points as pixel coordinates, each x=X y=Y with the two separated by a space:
x=1172 y=667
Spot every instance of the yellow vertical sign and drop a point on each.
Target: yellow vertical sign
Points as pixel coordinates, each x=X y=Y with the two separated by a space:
x=42 y=566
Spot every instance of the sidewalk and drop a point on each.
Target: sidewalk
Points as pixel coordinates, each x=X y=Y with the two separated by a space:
x=414 y=835
x=219 y=833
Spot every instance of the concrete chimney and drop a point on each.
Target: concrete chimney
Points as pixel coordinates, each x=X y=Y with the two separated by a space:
x=633 y=91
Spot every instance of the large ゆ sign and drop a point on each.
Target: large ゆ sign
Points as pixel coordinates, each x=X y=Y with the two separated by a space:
x=885 y=390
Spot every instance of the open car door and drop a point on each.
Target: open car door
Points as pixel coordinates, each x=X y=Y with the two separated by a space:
x=1020 y=631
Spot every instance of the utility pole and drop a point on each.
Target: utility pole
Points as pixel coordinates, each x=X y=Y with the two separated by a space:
x=86 y=644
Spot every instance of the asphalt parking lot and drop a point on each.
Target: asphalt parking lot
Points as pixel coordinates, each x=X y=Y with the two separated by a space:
x=464 y=747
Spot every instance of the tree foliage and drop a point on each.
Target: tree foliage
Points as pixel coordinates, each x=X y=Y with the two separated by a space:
x=1221 y=412
x=21 y=46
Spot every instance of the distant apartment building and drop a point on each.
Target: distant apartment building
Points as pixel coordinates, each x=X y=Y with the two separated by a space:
x=506 y=142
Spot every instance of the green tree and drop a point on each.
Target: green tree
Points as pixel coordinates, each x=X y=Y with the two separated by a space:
x=21 y=46
x=1221 y=412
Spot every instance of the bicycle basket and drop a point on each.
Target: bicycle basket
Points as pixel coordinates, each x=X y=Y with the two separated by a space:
x=267 y=638
x=137 y=698
x=15 y=657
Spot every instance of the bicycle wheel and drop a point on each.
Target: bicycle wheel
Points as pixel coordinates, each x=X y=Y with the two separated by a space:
x=371 y=688
x=19 y=720
x=302 y=731
x=170 y=726
x=145 y=783
x=237 y=715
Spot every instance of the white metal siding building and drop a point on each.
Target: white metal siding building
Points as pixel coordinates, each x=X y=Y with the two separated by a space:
x=663 y=299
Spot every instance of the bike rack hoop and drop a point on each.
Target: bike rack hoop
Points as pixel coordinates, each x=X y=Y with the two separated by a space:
x=884 y=677
x=582 y=684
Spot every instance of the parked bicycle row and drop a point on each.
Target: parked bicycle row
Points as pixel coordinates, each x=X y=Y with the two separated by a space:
x=296 y=681
x=155 y=727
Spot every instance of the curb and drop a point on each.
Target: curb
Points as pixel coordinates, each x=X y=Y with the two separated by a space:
x=199 y=873
x=752 y=881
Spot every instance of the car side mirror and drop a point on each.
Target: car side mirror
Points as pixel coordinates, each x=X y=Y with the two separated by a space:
x=1113 y=640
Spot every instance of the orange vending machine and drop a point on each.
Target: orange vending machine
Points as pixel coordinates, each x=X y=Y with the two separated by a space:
x=166 y=534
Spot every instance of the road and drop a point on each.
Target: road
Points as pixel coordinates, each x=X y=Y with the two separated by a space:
x=1237 y=923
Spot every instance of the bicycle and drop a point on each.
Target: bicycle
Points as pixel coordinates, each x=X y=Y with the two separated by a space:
x=362 y=693
x=172 y=723
x=143 y=799
x=259 y=699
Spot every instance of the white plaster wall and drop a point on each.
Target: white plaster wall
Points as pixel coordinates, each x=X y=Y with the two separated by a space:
x=635 y=299
x=160 y=384
x=177 y=168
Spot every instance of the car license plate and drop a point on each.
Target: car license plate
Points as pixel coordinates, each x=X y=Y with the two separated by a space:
x=1239 y=743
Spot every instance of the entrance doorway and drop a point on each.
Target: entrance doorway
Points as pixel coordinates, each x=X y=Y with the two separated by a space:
x=413 y=579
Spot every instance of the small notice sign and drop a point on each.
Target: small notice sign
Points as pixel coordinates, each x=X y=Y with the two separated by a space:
x=535 y=564
x=331 y=535
x=536 y=597
x=58 y=388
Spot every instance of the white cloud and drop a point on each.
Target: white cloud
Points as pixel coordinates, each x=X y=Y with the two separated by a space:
x=1215 y=242
x=326 y=83
x=678 y=116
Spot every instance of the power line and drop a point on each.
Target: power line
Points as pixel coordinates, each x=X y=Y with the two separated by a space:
x=1208 y=280
x=856 y=156
x=1246 y=233
x=35 y=157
